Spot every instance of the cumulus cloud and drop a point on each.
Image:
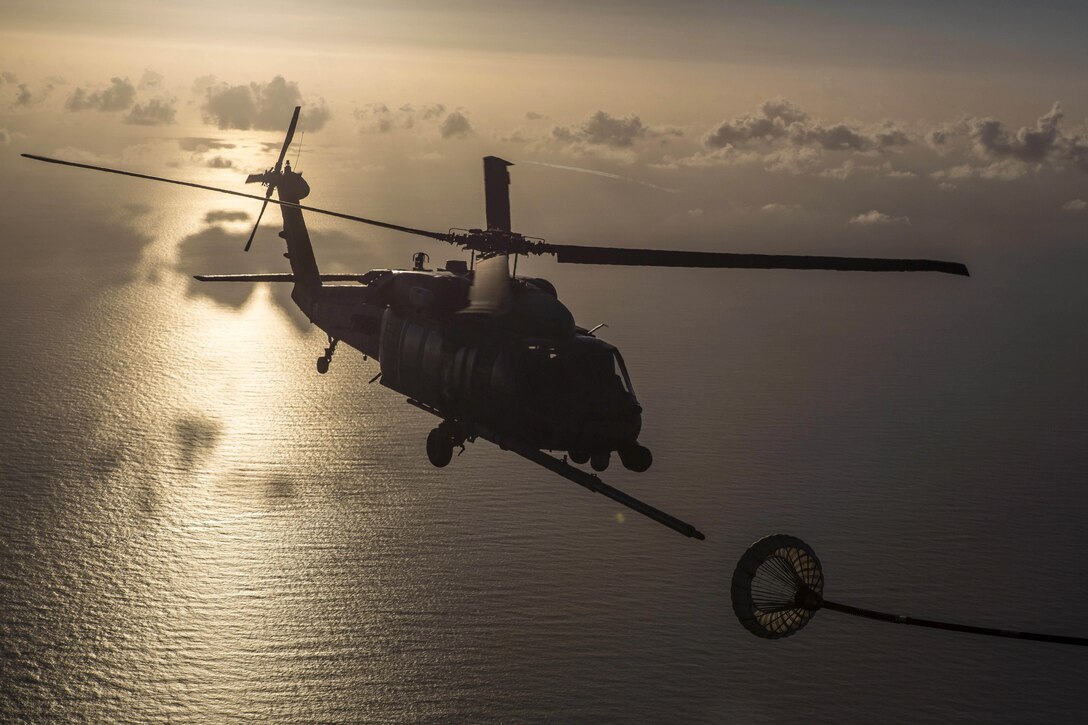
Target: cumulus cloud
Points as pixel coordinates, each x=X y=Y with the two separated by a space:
x=780 y=119
x=5 y=137
x=1013 y=153
x=1075 y=205
x=603 y=135
x=875 y=217
x=262 y=106
x=1045 y=140
x=379 y=118
x=777 y=208
x=156 y=112
x=8 y=77
x=455 y=125
x=603 y=129
x=219 y=162
x=534 y=116
x=118 y=96
x=770 y=122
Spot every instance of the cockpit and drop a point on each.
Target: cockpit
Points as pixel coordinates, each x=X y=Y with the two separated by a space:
x=581 y=372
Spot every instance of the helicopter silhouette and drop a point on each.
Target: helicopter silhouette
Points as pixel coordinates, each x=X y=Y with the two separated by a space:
x=492 y=355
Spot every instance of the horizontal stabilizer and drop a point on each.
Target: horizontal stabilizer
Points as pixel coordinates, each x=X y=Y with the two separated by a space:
x=363 y=278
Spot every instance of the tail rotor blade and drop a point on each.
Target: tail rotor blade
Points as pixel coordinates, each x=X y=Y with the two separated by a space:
x=254 y=232
x=287 y=141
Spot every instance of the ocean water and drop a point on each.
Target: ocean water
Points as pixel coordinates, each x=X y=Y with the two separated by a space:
x=197 y=527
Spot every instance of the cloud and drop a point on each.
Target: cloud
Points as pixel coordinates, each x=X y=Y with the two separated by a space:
x=770 y=122
x=262 y=106
x=777 y=208
x=1005 y=170
x=225 y=215
x=875 y=217
x=1028 y=144
x=1045 y=140
x=24 y=97
x=603 y=129
x=838 y=137
x=218 y=162
x=5 y=137
x=780 y=119
x=455 y=125
x=850 y=168
x=8 y=77
x=793 y=160
x=201 y=84
x=603 y=135
x=379 y=118
x=1075 y=205
x=119 y=96
x=156 y=112
x=534 y=116
x=1019 y=150
x=150 y=80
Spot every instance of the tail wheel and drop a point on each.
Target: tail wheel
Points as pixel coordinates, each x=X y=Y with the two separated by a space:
x=578 y=456
x=439 y=448
x=323 y=365
x=599 y=461
x=637 y=458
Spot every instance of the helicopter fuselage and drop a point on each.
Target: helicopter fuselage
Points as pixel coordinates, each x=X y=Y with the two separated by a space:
x=530 y=374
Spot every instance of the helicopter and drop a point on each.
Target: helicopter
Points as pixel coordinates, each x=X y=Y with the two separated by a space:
x=492 y=355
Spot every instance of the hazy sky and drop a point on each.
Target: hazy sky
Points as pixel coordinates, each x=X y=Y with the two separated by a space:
x=840 y=127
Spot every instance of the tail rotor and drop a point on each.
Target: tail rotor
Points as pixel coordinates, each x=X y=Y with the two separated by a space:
x=272 y=177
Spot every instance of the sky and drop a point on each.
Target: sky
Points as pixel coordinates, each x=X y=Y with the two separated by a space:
x=833 y=127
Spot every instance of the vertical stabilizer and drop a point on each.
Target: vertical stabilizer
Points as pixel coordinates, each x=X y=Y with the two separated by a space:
x=300 y=252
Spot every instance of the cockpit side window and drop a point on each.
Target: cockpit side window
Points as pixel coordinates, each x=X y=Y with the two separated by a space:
x=621 y=372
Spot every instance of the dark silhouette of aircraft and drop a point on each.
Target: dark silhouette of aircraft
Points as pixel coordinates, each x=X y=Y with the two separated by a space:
x=492 y=355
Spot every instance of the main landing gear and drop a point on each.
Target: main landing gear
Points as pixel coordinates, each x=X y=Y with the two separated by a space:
x=440 y=444
x=324 y=360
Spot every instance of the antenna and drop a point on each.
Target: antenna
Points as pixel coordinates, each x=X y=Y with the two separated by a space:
x=299 y=154
x=778 y=587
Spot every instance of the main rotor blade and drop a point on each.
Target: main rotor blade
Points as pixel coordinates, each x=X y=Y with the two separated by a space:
x=259 y=215
x=287 y=141
x=497 y=193
x=571 y=254
x=440 y=236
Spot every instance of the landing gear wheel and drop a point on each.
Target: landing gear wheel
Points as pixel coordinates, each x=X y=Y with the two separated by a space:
x=599 y=461
x=324 y=360
x=439 y=448
x=637 y=458
x=579 y=457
